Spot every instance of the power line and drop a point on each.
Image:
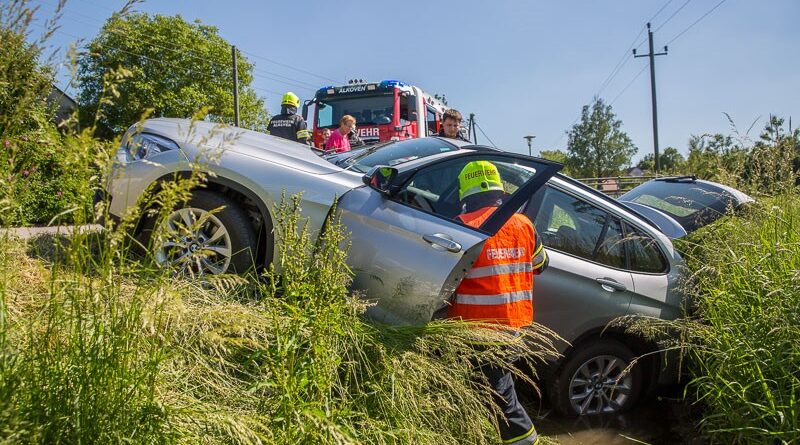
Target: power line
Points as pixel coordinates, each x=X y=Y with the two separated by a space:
x=626 y=57
x=484 y=134
x=183 y=50
x=696 y=21
x=673 y=15
x=665 y=21
x=629 y=84
x=290 y=67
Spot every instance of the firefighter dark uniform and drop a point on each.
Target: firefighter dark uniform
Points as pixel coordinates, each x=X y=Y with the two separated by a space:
x=289 y=125
x=499 y=286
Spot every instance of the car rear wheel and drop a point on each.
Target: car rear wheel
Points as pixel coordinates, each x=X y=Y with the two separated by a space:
x=210 y=235
x=596 y=379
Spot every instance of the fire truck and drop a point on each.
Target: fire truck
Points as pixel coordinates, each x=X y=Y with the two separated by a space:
x=384 y=111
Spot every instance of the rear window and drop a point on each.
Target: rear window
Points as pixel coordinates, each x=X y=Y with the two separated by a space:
x=691 y=204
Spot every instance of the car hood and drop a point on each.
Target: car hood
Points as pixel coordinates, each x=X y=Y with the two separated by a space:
x=205 y=139
x=690 y=202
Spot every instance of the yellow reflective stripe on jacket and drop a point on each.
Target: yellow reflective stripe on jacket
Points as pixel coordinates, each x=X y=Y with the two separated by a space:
x=539 y=257
x=303 y=134
x=484 y=300
x=500 y=269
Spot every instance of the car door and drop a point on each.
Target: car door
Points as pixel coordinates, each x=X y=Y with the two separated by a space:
x=586 y=284
x=657 y=284
x=408 y=251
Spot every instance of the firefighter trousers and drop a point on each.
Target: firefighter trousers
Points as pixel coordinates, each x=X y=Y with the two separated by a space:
x=516 y=427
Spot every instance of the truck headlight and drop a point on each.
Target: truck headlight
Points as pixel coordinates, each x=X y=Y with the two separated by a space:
x=144 y=146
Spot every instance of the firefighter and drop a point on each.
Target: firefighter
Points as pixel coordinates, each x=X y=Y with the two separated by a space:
x=288 y=124
x=498 y=288
x=451 y=125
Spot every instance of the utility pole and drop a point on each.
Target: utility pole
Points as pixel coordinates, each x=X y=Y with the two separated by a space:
x=530 y=139
x=652 y=55
x=472 y=128
x=235 y=88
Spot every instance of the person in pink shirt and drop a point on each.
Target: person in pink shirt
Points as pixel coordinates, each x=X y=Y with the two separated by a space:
x=338 y=140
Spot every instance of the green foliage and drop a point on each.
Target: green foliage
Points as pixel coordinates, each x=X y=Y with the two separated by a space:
x=671 y=162
x=44 y=174
x=741 y=341
x=597 y=146
x=748 y=344
x=770 y=165
x=557 y=156
x=176 y=68
x=24 y=83
x=47 y=175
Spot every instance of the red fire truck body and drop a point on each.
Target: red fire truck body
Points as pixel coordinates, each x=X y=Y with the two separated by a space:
x=384 y=111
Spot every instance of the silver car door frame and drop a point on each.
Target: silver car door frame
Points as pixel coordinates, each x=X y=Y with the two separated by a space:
x=409 y=261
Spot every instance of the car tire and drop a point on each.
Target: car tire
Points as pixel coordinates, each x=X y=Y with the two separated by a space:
x=581 y=387
x=212 y=230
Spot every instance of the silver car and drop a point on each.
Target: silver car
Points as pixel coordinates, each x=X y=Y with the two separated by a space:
x=398 y=201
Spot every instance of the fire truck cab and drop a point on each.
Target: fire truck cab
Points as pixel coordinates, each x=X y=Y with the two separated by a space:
x=384 y=111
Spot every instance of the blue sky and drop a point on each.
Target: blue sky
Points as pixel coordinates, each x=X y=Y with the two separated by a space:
x=523 y=67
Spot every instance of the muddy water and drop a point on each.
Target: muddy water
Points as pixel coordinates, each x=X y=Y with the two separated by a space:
x=661 y=420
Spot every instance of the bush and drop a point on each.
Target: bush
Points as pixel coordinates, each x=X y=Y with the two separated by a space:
x=47 y=176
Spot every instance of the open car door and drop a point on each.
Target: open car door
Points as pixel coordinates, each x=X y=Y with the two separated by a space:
x=408 y=251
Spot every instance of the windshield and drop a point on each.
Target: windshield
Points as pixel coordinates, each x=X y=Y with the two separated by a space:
x=369 y=110
x=396 y=153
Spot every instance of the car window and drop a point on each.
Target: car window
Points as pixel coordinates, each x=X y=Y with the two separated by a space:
x=692 y=204
x=436 y=189
x=576 y=227
x=430 y=118
x=397 y=153
x=644 y=252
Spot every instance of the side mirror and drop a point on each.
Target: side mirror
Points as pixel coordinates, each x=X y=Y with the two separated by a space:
x=381 y=178
x=305 y=109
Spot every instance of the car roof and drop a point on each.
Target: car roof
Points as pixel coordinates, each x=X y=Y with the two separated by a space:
x=203 y=135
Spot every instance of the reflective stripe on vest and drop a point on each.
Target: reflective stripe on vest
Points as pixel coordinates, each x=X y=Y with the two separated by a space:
x=499 y=286
x=500 y=269
x=486 y=300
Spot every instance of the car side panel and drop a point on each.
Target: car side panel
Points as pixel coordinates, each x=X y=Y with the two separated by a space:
x=568 y=300
x=409 y=278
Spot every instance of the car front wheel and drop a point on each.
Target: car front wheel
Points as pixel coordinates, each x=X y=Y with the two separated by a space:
x=211 y=234
x=596 y=378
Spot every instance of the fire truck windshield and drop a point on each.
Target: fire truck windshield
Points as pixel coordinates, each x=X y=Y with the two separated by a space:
x=368 y=110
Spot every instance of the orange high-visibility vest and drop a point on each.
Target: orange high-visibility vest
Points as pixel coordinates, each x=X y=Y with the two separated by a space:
x=499 y=287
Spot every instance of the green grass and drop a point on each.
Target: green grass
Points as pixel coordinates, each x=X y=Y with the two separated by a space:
x=99 y=347
x=742 y=342
x=747 y=275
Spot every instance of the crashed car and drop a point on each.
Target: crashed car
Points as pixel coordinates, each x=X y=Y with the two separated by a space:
x=398 y=201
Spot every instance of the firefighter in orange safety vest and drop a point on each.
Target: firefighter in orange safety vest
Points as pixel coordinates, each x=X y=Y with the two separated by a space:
x=499 y=286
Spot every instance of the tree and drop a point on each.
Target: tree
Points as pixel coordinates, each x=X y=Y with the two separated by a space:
x=556 y=155
x=24 y=83
x=597 y=146
x=176 y=69
x=672 y=161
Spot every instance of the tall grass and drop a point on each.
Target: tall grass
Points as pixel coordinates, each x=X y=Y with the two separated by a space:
x=741 y=343
x=97 y=347
x=747 y=356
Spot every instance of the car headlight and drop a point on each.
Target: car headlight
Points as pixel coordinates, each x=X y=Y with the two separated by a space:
x=143 y=146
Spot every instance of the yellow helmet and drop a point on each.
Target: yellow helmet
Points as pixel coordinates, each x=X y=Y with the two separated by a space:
x=478 y=177
x=290 y=99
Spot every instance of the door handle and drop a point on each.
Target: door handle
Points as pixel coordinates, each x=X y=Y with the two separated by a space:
x=611 y=285
x=443 y=241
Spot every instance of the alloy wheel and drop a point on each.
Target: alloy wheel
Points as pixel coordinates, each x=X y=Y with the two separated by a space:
x=195 y=242
x=600 y=385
